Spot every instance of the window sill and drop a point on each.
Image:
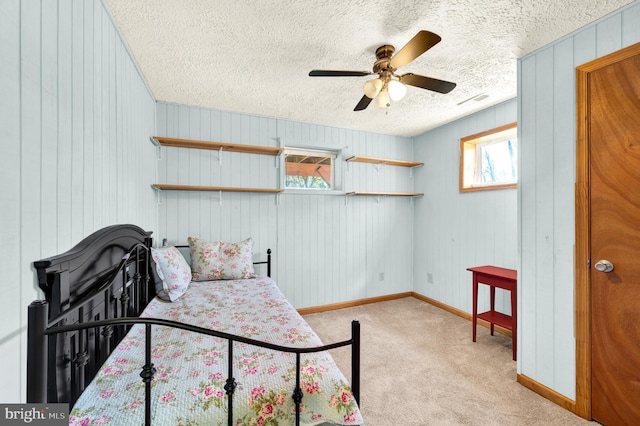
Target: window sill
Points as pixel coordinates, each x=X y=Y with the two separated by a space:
x=490 y=187
x=306 y=191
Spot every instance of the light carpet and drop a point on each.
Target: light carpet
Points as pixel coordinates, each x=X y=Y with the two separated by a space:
x=420 y=367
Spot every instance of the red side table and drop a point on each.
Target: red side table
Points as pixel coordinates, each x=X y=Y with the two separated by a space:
x=506 y=279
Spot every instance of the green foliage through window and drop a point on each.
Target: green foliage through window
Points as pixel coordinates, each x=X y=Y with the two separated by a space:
x=312 y=182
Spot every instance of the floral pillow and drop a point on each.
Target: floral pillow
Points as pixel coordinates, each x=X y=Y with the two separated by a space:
x=221 y=260
x=173 y=271
x=236 y=260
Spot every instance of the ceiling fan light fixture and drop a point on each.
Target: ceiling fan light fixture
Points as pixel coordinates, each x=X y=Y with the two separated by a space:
x=383 y=101
x=372 y=88
x=397 y=90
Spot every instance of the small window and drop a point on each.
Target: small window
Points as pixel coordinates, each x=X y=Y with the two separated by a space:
x=309 y=169
x=489 y=160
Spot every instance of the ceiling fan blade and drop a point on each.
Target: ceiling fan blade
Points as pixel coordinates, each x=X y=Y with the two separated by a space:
x=419 y=44
x=363 y=104
x=328 y=73
x=428 y=83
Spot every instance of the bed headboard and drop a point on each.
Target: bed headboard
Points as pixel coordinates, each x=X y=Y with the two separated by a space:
x=104 y=276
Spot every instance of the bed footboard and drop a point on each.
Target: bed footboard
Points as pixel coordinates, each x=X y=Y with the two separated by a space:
x=37 y=311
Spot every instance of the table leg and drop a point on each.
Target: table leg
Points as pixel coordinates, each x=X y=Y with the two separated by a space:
x=514 y=319
x=474 y=316
x=492 y=291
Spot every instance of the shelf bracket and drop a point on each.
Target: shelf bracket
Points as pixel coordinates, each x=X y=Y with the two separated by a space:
x=220 y=194
x=158 y=192
x=220 y=157
x=158 y=148
x=277 y=157
x=277 y=199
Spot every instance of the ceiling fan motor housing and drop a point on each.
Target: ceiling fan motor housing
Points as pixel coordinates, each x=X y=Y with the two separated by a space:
x=384 y=54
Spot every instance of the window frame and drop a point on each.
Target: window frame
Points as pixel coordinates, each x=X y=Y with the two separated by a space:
x=334 y=154
x=468 y=150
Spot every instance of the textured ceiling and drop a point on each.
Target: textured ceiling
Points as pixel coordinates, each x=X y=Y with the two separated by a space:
x=253 y=57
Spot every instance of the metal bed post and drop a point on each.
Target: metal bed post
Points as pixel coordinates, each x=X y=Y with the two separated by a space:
x=269 y=263
x=297 y=393
x=37 y=375
x=147 y=374
x=230 y=386
x=355 y=360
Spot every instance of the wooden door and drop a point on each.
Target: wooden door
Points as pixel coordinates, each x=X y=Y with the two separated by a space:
x=614 y=133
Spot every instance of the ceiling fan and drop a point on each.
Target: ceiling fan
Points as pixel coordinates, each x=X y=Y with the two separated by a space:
x=389 y=86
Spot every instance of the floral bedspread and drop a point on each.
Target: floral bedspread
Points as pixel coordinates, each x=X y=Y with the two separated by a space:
x=191 y=369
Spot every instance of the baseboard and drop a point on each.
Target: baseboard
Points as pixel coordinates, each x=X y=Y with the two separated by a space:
x=459 y=313
x=350 y=304
x=546 y=392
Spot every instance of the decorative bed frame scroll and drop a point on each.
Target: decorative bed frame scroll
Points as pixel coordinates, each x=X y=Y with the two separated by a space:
x=94 y=293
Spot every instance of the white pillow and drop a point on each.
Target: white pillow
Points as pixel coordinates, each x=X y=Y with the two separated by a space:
x=174 y=272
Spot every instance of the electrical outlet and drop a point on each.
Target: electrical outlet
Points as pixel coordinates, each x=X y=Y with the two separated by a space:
x=381 y=276
x=429 y=278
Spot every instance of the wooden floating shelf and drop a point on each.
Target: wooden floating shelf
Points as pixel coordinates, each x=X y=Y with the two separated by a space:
x=171 y=187
x=374 y=160
x=392 y=194
x=216 y=146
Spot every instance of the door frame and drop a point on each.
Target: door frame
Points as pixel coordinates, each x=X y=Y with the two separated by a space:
x=582 y=248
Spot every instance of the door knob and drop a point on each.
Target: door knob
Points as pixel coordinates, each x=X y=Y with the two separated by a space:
x=604 y=266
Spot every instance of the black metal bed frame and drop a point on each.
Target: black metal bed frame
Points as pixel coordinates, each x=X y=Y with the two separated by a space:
x=90 y=305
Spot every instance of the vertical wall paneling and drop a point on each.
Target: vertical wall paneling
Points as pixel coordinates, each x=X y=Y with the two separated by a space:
x=547 y=129
x=49 y=123
x=542 y=157
x=609 y=34
x=564 y=154
x=64 y=110
x=10 y=161
x=326 y=249
x=454 y=231
x=630 y=28
x=527 y=184
x=76 y=120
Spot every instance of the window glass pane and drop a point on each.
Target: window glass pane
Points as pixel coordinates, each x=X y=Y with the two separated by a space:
x=498 y=161
x=309 y=169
